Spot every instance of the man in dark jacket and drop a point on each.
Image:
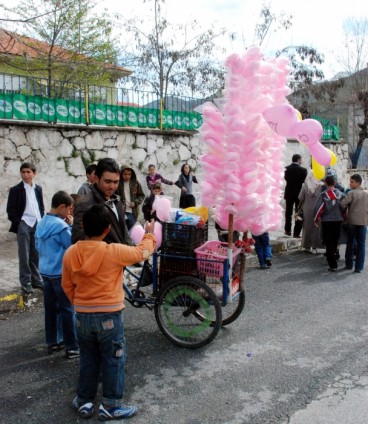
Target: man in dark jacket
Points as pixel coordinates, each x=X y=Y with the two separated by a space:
x=294 y=176
x=103 y=191
x=25 y=208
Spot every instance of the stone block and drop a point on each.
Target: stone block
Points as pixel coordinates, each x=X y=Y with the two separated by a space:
x=109 y=142
x=54 y=138
x=184 y=153
x=37 y=140
x=159 y=142
x=112 y=153
x=94 y=141
x=163 y=154
x=130 y=139
x=66 y=149
x=138 y=155
x=24 y=152
x=79 y=143
x=70 y=134
x=151 y=146
x=17 y=137
x=12 y=168
x=9 y=150
x=120 y=140
x=141 y=141
x=76 y=166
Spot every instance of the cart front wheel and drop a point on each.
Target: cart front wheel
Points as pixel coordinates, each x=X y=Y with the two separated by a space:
x=177 y=308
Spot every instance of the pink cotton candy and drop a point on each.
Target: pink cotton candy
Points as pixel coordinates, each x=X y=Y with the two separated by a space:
x=158 y=234
x=244 y=157
x=137 y=233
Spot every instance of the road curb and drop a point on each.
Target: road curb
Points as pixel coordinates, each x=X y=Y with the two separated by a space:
x=11 y=302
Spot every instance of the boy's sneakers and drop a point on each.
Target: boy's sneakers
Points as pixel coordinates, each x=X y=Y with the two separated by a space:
x=268 y=262
x=55 y=348
x=117 y=413
x=85 y=410
x=27 y=289
x=72 y=353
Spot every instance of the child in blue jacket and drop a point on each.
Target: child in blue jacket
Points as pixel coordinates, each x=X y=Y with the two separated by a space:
x=53 y=237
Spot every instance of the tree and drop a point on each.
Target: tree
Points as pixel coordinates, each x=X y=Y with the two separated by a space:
x=355 y=63
x=69 y=42
x=173 y=59
x=304 y=60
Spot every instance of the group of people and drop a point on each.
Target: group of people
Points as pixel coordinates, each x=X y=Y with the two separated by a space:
x=327 y=214
x=132 y=195
x=76 y=253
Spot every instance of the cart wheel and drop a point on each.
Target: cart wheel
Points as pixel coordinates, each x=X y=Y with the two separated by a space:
x=230 y=311
x=177 y=307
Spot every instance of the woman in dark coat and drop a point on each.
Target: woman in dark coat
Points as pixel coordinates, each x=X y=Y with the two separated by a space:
x=185 y=183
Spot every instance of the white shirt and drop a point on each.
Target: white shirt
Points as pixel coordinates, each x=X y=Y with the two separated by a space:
x=31 y=213
x=127 y=197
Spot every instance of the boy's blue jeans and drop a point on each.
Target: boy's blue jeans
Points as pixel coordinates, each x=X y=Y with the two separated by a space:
x=102 y=344
x=263 y=248
x=59 y=315
x=356 y=240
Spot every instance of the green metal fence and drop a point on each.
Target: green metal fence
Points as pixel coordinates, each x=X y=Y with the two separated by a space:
x=33 y=99
x=37 y=99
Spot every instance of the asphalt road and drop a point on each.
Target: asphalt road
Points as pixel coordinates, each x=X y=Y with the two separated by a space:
x=296 y=355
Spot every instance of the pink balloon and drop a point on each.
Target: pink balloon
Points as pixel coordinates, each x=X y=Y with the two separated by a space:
x=137 y=233
x=308 y=131
x=281 y=118
x=320 y=154
x=158 y=234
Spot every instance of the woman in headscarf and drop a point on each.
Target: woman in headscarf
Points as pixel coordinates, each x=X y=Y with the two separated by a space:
x=311 y=236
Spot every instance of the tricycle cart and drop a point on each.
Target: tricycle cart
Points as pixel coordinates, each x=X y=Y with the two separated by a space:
x=193 y=290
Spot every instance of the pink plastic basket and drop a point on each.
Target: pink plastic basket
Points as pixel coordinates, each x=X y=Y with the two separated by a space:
x=216 y=251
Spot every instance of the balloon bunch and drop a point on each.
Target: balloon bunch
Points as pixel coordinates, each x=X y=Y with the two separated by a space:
x=286 y=121
x=243 y=168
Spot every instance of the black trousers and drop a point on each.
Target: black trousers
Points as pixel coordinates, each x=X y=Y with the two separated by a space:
x=290 y=202
x=331 y=235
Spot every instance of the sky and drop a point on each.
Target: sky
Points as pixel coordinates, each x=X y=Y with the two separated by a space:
x=316 y=23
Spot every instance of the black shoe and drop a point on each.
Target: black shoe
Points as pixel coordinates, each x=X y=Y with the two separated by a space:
x=55 y=348
x=295 y=236
x=357 y=271
x=38 y=286
x=72 y=353
x=332 y=269
x=287 y=233
x=268 y=262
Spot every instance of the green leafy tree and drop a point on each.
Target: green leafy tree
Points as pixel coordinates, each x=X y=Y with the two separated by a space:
x=304 y=60
x=173 y=59
x=68 y=43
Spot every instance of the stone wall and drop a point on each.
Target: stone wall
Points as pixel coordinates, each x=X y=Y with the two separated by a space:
x=61 y=152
